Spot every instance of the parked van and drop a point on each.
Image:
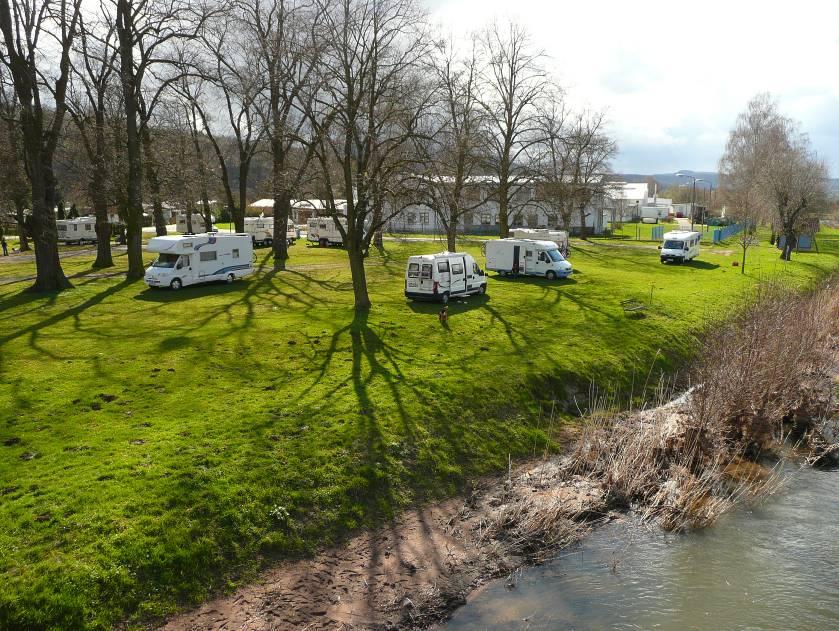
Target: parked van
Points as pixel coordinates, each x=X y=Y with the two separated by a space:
x=199 y=258
x=560 y=237
x=527 y=256
x=324 y=231
x=197 y=223
x=80 y=230
x=261 y=230
x=443 y=276
x=680 y=246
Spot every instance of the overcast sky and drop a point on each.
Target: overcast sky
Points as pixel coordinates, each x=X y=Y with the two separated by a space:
x=674 y=75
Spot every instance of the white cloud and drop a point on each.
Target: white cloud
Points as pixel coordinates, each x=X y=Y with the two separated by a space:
x=674 y=76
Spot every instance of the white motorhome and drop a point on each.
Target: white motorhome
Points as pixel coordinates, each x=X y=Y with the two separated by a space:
x=527 y=256
x=324 y=231
x=80 y=230
x=653 y=214
x=199 y=258
x=679 y=246
x=261 y=230
x=197 y=223
x=443 y=276
x=560 y=237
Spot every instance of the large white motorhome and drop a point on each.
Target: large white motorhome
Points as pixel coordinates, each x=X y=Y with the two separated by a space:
x=199 y=258
x=197 y=223
x=324 y=231
x=653 y=214
x=560 y=237
x=443 y=276
x=261 y=230
x=679 y=246
x=526 y=256
x=80 y=230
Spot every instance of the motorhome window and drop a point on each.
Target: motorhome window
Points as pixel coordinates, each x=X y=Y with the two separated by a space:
x=235 y=253
x=528 y=253
x=208 y=255
x=426 y=270
x=555 y=256
x=672 y=245
x=443 y=267
x=62 y=228
x=457 y=268
x=413 y=270
x=165 y=260
x=323 y=226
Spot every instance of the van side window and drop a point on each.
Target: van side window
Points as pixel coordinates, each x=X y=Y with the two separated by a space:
x=475 y=268
x=443 y=267
x=457 y=268
x=413 y=270
x=543 y=257
x=426 y=270
x=528 y=253
x=208 y=256
x=235 y=254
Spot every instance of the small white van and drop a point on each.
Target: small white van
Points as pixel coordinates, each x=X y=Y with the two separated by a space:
x=80 y=230
x=197 y=223
x=324 y=231
x=199 y=258
x=261 y=230
x=527 y=256
x=679 y=246
x=443 y=276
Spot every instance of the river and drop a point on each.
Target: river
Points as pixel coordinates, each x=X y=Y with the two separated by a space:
x=770 y=566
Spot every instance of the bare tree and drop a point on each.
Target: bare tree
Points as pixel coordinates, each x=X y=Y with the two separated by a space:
x=514 y=84
x=454 y=154
x=370 y=110
x=15 y=192
x=552 y=158
x=91 y=87
x=35 y=34
x=591 y=152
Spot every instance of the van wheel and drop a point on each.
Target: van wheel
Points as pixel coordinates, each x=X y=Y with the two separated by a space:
x=445 y=298
x=482 y=290
x=230 y=278
x=551 y=275
x=176 y=284
x=323 y=243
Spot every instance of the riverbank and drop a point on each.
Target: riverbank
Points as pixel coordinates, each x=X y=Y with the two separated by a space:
x=681 y=465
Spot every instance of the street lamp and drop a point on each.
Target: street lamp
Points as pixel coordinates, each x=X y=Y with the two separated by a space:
x=693 y=201
x=710 y=201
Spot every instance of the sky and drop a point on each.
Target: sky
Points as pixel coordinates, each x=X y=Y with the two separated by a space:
x=672 y=76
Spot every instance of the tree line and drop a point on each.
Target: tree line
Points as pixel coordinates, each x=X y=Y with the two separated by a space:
x=359 y=103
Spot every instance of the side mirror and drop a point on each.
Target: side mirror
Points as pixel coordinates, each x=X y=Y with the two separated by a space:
x=659 y=247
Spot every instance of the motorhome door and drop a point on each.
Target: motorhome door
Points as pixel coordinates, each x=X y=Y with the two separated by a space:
x=516 y=253
x=458 y=275
x=184 y=269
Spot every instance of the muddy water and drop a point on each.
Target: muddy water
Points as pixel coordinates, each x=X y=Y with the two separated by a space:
x=772 y=566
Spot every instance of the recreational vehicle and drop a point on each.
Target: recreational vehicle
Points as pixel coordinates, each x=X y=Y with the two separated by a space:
x=199 y=258
x=560 y=237
x=261 y=230
x=526 y=256
x=653 y=214
x=80 y=230
x=443 y=276
x=324 y=231
x=197 y=223
x=680 y=246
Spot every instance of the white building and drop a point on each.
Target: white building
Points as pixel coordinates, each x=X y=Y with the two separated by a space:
x=301 y=209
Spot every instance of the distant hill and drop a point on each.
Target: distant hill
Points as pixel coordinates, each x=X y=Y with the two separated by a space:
x=666 y=180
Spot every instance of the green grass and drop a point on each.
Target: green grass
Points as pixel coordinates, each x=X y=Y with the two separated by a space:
x=158 y=446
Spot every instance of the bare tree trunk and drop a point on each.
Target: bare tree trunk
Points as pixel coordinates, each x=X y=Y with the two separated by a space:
x=503 y=206
x=21 y=226
x=451 y=236
x=134 y=216
x=359 y=278
x=50 y=276
x=789 y=245
x=238 y=214
x=583 y=229
x=282 y=206
x=153 y=180
x=100 y=198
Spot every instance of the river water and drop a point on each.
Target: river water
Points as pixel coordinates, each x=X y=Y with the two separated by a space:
x=770 y=566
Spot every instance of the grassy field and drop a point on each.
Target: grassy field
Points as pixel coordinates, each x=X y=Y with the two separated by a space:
x=158 y=446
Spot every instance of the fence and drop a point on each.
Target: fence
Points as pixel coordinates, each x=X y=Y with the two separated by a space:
x=721 y=234
x=658 y=233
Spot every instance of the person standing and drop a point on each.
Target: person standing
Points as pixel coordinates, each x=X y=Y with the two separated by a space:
x=5 y=245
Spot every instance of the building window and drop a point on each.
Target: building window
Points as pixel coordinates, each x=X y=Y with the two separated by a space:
x=486 y=219
x=423 y=217
x=75 y=227
x=412 y=217
x=208 y=256
x=88 y=226
x=552 y=219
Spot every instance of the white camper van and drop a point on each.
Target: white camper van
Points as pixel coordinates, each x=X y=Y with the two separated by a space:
x=527 y=256
x=680 y=246
x=199 y=258
x=80 y=230
x=197 y=223
x=443 y=276
x=324 y=231
x=261 y=230
x=560 y=237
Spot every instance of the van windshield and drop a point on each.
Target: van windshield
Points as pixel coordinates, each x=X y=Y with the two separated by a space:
x=166 y=260
x=672 y=245
x=556 y=257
